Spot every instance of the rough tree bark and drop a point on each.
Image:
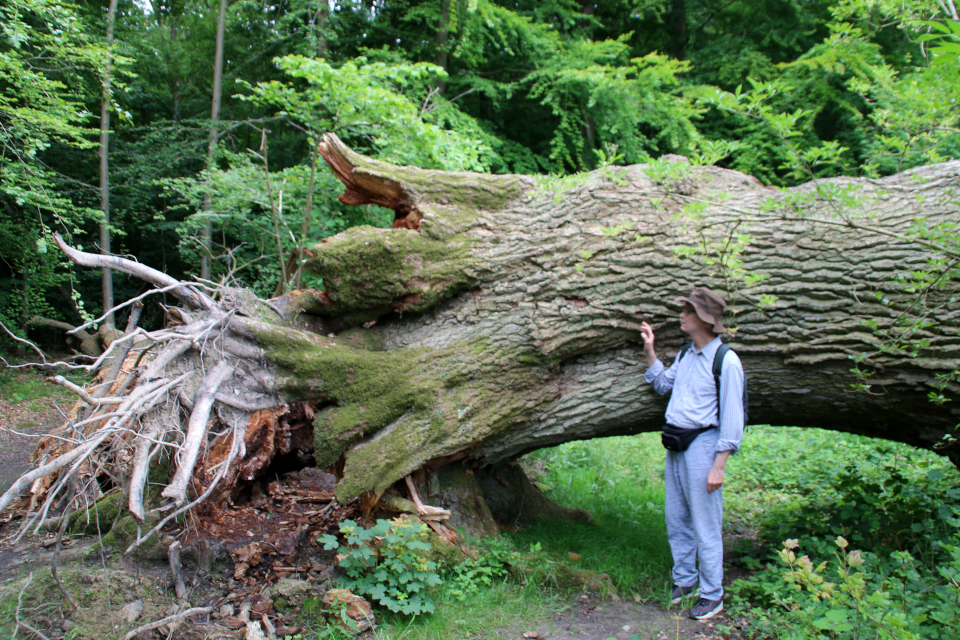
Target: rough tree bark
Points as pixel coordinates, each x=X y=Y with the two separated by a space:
x=501 y=315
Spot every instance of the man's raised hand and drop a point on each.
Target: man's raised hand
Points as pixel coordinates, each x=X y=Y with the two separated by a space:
x=647 y=332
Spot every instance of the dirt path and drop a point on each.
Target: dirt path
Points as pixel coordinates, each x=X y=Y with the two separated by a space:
x=589 y=618
x=27 y=410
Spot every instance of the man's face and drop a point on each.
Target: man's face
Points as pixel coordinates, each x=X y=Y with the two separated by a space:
x=690 y=321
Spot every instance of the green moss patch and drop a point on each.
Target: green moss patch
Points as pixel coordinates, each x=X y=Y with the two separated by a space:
x=381 y=270
x=97 y=517
x=367 y=390
x=391 y=411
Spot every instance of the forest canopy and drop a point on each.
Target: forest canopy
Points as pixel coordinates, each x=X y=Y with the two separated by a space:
x=216 y=174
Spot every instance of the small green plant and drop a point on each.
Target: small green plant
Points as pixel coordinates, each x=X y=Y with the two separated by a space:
x=472 y=575
x=617 y=230
x=385 y=563
x=666 y=173
x=766 y=301
x=863 y=596
x=559 y=185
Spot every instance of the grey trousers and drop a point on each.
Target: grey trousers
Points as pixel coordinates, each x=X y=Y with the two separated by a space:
x=695 y=517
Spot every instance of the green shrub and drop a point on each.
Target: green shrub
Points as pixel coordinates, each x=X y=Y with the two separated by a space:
x=385 y=563
x=868 y=597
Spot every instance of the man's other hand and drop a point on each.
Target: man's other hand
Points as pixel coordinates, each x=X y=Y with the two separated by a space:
x=714 y=479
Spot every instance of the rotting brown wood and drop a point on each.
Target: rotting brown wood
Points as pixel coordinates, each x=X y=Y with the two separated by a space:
x=365 y=187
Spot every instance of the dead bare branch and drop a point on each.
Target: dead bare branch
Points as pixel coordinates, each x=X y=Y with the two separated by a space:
x=177 y=617
x=86 y=397
x=187 y=294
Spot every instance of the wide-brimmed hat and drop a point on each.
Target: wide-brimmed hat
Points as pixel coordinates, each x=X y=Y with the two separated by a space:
x=709 y=306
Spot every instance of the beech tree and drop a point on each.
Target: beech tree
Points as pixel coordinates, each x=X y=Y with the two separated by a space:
x=501 y=315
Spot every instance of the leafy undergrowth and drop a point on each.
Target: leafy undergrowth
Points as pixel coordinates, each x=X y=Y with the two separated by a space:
x=856 y=537
x=870 y=527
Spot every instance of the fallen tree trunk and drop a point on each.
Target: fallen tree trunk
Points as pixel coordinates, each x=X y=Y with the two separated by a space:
x=501 y=315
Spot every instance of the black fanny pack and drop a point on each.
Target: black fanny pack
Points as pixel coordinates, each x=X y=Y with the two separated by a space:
x=677 y=439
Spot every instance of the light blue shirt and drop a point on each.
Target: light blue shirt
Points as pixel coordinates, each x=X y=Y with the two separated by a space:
x=693 y=403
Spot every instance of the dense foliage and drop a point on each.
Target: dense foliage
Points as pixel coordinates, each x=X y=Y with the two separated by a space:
x=781 y=89
x=845 y=536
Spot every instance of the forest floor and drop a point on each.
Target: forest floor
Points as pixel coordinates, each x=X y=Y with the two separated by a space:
x=112 y=588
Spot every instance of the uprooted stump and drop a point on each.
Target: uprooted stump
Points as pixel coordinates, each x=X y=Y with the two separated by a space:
x=498 y=316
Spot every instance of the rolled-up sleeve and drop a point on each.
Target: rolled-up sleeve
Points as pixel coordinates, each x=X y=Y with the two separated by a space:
x=731 y=404
x=660 y=377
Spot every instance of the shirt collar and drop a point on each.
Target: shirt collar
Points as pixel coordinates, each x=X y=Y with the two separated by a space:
x=709 y=349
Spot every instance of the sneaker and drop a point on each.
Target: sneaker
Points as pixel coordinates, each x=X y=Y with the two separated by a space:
x=679 y=593
x=706 y=609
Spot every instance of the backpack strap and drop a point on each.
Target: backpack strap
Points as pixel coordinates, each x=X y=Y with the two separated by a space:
x=717 y=369
x=684 y=350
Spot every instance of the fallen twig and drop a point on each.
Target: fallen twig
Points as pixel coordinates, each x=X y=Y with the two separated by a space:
x=173 y=554
x=177 y=617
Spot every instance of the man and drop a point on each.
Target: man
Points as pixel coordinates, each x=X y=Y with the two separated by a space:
x=694 y=476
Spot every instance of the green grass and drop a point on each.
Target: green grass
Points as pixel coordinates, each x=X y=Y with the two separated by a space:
x=505 y=604
x=19 y=385
x=620 y=481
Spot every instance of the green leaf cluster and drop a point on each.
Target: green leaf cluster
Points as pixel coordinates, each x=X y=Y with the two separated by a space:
x=385 y=562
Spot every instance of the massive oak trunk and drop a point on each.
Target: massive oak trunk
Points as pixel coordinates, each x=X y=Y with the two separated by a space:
x=501 y=314
x=509 y=309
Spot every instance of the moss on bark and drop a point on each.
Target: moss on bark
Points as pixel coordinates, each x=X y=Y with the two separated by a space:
x=375 y=271
x=366 y=390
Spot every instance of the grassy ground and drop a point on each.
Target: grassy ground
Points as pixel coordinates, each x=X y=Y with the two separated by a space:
x=785 y=483
x=620 y=481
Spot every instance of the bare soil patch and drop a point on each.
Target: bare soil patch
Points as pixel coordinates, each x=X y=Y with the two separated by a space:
x=590 y=618
x=28 y=410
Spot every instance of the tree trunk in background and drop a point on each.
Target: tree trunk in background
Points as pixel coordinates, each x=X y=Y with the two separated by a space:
x=214 y=134
x=501 y=315
x=320 y=26
x=443 y=36
x=106 y=279
x=678 y=29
